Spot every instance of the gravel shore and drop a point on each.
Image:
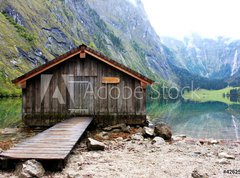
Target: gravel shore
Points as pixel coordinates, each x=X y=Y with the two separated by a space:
x=125 y=157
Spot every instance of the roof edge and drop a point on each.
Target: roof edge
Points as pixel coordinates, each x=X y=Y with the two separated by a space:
x=74 y=52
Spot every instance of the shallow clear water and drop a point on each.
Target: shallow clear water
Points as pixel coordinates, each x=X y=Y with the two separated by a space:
x=198 y=120
x=11 y=130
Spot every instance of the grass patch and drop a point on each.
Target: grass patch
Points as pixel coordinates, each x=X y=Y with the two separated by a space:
x=210 y=95
x=20 y=29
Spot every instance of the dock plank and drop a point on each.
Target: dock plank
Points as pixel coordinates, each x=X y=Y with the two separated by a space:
x=54 y=143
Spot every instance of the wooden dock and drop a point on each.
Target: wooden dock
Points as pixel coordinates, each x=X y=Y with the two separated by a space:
x=51 y=145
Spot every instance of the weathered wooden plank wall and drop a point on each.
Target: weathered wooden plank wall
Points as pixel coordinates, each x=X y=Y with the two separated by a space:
x=90 y=70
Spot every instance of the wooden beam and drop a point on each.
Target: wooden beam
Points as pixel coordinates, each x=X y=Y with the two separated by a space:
x=82 y=53
x=112 y=80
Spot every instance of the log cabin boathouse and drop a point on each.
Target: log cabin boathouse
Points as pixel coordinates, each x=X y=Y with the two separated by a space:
x=83 y=82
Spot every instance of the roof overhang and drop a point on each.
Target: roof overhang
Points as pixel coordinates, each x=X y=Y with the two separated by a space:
x=82 y=50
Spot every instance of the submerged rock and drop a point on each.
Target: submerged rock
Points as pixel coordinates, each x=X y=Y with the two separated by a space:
x=30 y=168
x=163 y=130
x=94 y=145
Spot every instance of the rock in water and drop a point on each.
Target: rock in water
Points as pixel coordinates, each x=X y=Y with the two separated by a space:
x=163 y=130
x=148 y=132
x=94 y=145
x=30 y=168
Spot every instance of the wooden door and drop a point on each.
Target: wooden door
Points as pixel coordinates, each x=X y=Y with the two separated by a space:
x=81 y=95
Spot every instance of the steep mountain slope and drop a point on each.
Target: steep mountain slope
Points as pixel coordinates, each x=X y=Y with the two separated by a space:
x=210 y=58
x=33 y=32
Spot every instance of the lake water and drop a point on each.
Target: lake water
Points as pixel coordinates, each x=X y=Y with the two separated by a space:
x=199 y=120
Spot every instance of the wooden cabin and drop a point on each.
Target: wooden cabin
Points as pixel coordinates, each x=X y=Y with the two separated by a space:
x=83 y=82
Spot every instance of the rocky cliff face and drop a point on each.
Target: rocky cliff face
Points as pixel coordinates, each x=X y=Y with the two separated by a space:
x=33 y=32
x=210 y=58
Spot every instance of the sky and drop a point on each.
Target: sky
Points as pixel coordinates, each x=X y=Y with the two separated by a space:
x=208 y=18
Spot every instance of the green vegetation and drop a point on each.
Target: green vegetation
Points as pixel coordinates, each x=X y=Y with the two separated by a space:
x=209 y=95
x=7 y=88
x=41 y=18
x=20 y=29
x=10 y=112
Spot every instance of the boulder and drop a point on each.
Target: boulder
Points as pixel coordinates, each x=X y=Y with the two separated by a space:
x=137 y=136
x=163 y=130
x=157 y=141
x=30 y=168
x=148 y=132
x=94 y=145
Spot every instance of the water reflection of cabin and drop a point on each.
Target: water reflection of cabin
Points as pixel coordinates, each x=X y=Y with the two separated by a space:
x=83 y=82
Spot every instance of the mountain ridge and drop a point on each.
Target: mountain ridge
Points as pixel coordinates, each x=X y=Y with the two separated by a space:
x=207 y=57
x=34 y=32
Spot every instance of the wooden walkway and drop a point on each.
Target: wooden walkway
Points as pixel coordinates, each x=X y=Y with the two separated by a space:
x=54 y=143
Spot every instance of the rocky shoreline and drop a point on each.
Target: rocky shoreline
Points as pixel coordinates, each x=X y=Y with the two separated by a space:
x=139 y=152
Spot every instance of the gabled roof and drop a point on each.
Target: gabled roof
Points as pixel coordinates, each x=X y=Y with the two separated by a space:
x=81 y=49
